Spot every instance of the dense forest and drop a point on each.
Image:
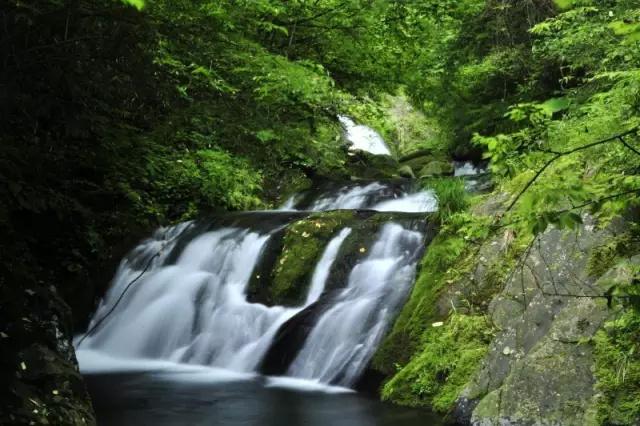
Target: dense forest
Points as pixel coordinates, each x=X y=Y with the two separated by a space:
x=121 y=116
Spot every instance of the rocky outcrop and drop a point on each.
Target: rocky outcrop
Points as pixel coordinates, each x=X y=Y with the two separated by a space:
x=544 y=303
x=538 y=368
x=41 y=384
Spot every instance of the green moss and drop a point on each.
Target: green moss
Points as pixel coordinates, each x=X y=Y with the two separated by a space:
x=446 y=259
x=451 y=354
x=617 y=369
x=304 y=242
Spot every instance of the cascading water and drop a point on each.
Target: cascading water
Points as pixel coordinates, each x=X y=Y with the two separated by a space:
x=379 y=196
x=197 y=302
x=344 y=338
x=191 y=307
x=210 y=322
x=363 y=138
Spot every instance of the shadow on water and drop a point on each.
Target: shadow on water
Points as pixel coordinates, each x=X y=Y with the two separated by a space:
x=161 y=399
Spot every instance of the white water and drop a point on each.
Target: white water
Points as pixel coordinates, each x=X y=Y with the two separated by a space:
x=348 y=198
x=467 y=168
x=420 y=202
x=345 y=337
x=363 y=138
x=374 y=196
x=194 y=311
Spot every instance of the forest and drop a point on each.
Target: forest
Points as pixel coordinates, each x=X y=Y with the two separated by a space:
x=119 y=117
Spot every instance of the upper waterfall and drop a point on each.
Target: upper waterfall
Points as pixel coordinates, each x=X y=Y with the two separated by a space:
x=363 y=138
x=378 y=195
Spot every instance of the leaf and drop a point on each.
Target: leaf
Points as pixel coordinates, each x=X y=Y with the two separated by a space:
x=138 y=4
x=554 y=105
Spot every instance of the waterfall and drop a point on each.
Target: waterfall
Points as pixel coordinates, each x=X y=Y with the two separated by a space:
x=321 y=273
x=190 y=305
x=344 y=338
x=379 y=196
x=187 y=296
x=363 y=138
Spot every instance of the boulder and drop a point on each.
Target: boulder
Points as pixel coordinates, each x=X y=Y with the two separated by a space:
x=436 y=168
x=406 y=172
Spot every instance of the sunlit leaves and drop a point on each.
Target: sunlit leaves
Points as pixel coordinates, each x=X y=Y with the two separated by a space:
x=138 y=4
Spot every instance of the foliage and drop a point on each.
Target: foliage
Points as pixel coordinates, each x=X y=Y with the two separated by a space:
x=451 y=194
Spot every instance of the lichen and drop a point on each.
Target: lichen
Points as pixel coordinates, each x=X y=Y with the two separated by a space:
x=451 y=354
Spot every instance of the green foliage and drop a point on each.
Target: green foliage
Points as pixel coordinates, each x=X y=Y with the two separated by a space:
x=605 y=256
x=451 y=194
x=138 y=4
x=451 y=354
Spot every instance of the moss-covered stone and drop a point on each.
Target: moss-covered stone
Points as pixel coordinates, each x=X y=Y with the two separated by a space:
x=364 y=165
x=436 y=168
x=406 y=172
x=418 y=163
x=304 y=242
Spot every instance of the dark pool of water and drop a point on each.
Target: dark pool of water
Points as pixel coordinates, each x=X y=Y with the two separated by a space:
x=163 y=399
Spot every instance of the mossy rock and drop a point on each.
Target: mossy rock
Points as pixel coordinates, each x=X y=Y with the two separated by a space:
x=418 y=163
x=364 y=165
x=406 y=172
x=303 y=244
x=436 y=168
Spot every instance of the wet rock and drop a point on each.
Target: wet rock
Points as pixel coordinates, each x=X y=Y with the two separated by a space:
x=40 y=379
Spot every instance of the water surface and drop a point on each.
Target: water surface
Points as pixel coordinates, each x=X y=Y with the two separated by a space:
x=184 y=398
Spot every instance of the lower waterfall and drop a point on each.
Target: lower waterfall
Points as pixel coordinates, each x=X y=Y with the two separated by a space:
x=181 y=297
x=195 y=311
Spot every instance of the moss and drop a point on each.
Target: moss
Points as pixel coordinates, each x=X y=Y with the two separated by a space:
x=304 y=241
x=617 y=369
x=452 y=353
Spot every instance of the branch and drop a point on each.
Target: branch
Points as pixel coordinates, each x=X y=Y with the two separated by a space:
x=618 y=137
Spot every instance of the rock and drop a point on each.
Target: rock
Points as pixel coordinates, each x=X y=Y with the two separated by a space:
x=364 y=165
x=539 y=366
x=406 y=171
x=417 y=163
x=436 y=168
x=41 y=384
